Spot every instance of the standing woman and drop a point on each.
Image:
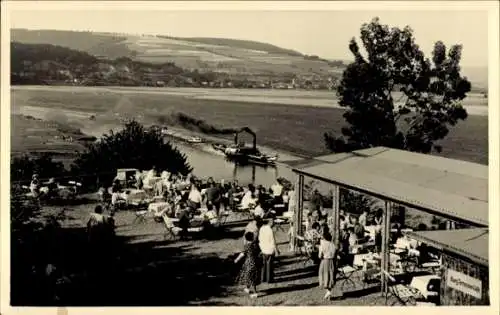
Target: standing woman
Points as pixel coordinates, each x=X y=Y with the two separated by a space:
x=327 y=267
x=249 y=275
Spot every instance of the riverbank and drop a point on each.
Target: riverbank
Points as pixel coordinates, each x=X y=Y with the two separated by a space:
x=281 y=128
x=475 y=103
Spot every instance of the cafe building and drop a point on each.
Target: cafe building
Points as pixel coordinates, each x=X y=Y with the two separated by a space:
x=454 y=190
x=464 y=265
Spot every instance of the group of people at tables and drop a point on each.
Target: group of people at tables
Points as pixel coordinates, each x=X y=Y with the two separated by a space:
x=189 y=199
x=359 y=244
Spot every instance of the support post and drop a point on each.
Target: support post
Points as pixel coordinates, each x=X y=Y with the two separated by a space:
x=235 y=172
x=253 y=174
x=300 y=205
x=385 y=255
x=335 y=217
x=297 y=218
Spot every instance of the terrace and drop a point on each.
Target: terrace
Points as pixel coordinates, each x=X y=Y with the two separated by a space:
x=451 y=189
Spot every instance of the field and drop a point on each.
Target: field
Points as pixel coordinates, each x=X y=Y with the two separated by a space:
x=218 y=54
x=45 y=136
x=298 y=129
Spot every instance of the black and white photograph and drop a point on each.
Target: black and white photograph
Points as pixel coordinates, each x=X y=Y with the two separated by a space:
x=249 y=154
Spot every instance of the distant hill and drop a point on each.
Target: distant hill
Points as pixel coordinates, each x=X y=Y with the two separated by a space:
x=238 y=43
x=221 y=55
x=50 y=64
x=230 y=58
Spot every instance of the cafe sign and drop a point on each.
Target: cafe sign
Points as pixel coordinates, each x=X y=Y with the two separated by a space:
x=464 y=283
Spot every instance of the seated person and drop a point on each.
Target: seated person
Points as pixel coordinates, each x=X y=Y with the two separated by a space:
x=425 y=254
x=353 y=238
x=363 y=218
x=344 y=244
x=316 y=216
x=277 y=192
x=194 y=197
x=248 y=200
x=35 y=185
x=258 y=210
x=116 y=187
x=358 y=229
x=343 y=223
x=313 y=236
x=115 y=197
x=308 y=222
x=323 y=225
x=52 y=188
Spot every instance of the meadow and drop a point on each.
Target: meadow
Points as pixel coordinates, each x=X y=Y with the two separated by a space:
x=298 y=129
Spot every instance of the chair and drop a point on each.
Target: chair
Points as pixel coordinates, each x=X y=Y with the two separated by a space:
x=370 y=273
x=247 y=212
x=140 y=216
x=223 y=216
x=433 y=266
x=280 y=222
x=170 y=229
x=404 y=294
x=346 y=271
x=303 y=245
x=406 y=263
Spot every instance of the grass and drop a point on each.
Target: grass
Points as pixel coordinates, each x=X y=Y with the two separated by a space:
x=298 y=129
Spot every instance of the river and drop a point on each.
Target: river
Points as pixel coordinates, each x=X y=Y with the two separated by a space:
x=205 y=161
x=208 y=164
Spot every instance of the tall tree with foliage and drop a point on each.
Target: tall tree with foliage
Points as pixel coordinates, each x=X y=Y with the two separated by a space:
x=132 y=147
x=430 y=92
x=22 y=168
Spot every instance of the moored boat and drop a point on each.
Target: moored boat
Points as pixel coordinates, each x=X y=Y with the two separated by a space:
x=194 y=140
x=219 y=147
x=249 y=155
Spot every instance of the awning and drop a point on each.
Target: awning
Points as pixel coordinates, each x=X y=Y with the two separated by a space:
x=456 y=190
x=469 y=243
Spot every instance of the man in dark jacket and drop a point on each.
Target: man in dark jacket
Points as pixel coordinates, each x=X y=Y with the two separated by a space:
x=214 y=196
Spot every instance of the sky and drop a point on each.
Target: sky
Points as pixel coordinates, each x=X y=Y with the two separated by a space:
x=324 y=33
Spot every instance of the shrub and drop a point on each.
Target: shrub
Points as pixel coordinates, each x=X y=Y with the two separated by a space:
x=132 y=147
x=22 y=168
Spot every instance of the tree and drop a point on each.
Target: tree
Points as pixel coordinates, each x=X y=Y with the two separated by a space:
x=132 y=147
x=355 y=203
x=430 y=92
x=34 y=245
x=22 y=168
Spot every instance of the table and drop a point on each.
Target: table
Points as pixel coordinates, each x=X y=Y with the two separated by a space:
x=421 y=284
x=371 y=230
x=405 y=243
x=375 y=259
x=157 y=207
x=359 y=259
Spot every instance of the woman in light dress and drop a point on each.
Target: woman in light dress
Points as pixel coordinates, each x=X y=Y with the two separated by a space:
x=327 y=267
